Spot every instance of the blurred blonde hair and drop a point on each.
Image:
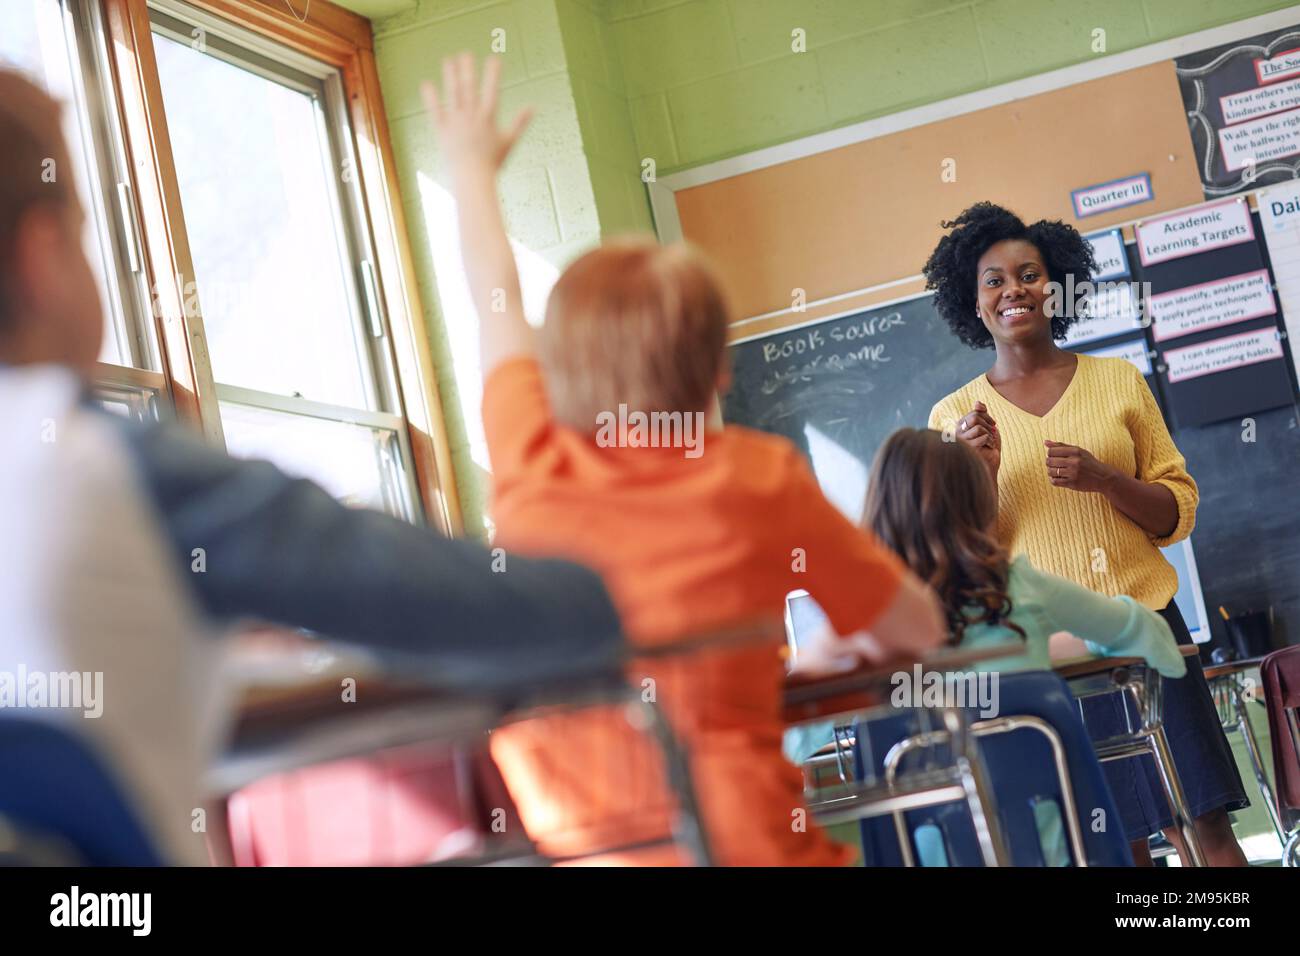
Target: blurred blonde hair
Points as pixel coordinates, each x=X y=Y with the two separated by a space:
x=637 y=323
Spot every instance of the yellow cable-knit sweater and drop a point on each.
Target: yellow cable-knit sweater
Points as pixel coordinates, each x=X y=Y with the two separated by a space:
x=1108 y=410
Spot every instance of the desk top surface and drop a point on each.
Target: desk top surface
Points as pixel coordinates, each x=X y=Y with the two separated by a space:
x=291 y=683
x=1099 y=665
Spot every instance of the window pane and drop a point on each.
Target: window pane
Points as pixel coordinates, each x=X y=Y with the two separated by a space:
x=260 y=201
x=20 y=39
x=118 y=407
x=127 y=401
x=355 y=463
x=33 y=39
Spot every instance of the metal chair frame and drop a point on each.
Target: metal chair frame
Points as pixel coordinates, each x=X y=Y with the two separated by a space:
x=1291 y=848
x=1145 y=687
x=987 y=728
x=964 y=779
x=1228 y=688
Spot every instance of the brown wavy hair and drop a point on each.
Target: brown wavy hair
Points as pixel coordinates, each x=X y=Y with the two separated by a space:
x=33 y=140
x=933 y=503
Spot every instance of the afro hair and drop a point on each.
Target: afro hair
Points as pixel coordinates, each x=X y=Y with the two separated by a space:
x=950 y=272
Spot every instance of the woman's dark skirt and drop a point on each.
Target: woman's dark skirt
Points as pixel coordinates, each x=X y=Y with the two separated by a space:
x=1201 y=752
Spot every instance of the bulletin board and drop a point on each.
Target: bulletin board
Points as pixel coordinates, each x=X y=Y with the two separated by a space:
x=868 y=213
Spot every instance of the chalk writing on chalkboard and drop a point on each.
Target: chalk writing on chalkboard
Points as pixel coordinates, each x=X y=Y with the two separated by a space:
x=836 y=387
x=827 y=351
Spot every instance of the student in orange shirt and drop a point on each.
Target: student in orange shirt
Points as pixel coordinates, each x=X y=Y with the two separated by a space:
x=692 y=528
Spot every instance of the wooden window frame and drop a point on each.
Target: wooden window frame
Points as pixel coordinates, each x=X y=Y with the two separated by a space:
x=340 y=40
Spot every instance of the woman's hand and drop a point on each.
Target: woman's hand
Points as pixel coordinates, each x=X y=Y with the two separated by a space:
x=465 y=117
x=979 y=431
x=1069 y=466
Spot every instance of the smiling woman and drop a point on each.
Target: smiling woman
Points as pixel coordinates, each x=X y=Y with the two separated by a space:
x=1056 y=249
x=1090 y=485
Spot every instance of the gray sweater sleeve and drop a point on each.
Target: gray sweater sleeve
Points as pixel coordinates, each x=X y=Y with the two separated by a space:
x=282 y=550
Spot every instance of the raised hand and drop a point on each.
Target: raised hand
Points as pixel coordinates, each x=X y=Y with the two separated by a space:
x=474 y=148
x=465 y=117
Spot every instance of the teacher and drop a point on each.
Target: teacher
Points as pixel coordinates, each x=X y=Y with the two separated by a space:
x=1090 y=484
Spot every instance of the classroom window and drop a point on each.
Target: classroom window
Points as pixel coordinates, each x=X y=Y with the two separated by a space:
x=140 y=402
x=360 y=464
x=282 y=274
x=272 y=259
x=234 y=165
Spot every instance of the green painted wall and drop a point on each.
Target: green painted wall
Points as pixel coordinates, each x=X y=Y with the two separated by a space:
x=547 y=193
x=707 y=79
x=600 y=94
x=684 y=82
x=377 y=9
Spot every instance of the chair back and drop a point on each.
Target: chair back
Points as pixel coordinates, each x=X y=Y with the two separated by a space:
x=1280 y=673
x=1037 y=720
x=60 y=801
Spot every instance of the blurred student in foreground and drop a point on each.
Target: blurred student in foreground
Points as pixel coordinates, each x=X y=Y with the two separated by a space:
x=86 y=591
x=702 y=532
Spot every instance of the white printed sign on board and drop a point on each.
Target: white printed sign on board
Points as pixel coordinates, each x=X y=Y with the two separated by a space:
x=1279 y=216
x=1199 y=229
x=1220 y=355
x=1208 y=305
x=1134 y=352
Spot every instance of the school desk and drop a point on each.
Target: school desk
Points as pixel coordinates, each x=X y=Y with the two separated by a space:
x=293 y=714
x=822 y=696
x=866 y=689
x=1228 y=684
x=1131 y=677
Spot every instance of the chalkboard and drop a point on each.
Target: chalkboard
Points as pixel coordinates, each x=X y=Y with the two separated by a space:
x=1247 y=536
x=838 y=386
x=1259 y=112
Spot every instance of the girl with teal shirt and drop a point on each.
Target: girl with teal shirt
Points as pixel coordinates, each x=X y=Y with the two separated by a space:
x=934 y=504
